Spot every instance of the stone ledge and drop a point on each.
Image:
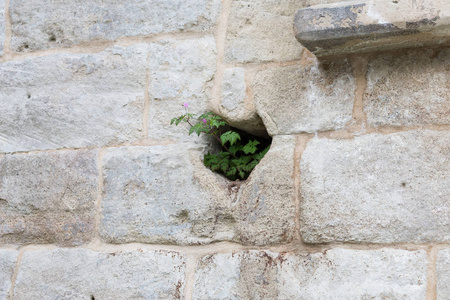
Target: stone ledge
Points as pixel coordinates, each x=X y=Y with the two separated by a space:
x=372 y=26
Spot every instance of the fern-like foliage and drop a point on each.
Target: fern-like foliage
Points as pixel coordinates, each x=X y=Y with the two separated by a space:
x=240 y=152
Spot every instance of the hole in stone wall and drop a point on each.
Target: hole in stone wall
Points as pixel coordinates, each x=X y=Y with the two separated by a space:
x=239 y=155
x=92 y=297
x=52 y=38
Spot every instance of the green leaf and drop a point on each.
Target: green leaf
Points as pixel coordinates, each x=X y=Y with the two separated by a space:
x=234 y=149
x=230 y=136
x=260 y=155
x=224 y=165
x=250 y=166
x=231 y=172
x=177 y=120
x=243 y=160
x=251 y=147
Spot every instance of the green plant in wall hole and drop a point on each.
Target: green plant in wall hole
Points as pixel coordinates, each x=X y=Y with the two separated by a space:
x=240 y=152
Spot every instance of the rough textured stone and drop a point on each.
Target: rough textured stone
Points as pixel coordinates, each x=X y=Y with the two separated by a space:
x=164 y=194
x=58 y=23
x=72 y=100
x=261 y=31
x=264 y=208
x=234 y=107
x=180 y=72
x=2 y=26
x=85 y=274
x=334 y=274
x=366 y=26
x=377 y=188
x=48 y=197
x=308 y=98
x=157 y=195
x=8 y=260
x=443 y=274
x=409 y=89
x=233 y=91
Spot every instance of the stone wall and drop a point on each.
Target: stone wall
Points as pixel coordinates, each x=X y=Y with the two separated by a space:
x=100 y=198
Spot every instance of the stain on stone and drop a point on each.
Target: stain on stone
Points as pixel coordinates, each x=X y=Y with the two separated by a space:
x=177 y=291
x=329 y=30
x=183 y=216
x=421 y=23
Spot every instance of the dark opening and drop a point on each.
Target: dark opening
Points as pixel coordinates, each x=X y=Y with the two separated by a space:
x=239 y=155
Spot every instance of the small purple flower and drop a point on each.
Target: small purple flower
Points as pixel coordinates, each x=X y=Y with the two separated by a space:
x=185 y=104
x=204 y=121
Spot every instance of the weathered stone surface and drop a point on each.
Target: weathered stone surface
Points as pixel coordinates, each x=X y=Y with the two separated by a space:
x=409 y=89
x=72 y=100
x=180 y=72
x=367 y=26
x=164 y=194
x=234 y=107
x=308 y=98
x=264 y=208
x=261 y=31
x=443 y=274
x=86 y=274
x=8 y=260
x=157 y=195
x=2 y=26
x=48 y=24
x=233 y=91
x=334 y=274
x=377 y=188
x=48 y=197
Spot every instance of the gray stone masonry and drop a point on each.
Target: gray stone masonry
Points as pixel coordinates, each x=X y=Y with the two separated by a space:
x=377 y=188
x=372 y=26
x=443 y=274
x=311 y=98
x=86 y=274
x=43 y=24
x=337 y=274
x=48 y=197
x=8 y=260
x=72 y=100
x=408 y=89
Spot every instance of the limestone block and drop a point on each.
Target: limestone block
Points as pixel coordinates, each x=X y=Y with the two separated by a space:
x=234 y=107
x=407 y=90
x=307 y=98
x=2 y=26
x=265 y=207
x=334 y=274
x=48 y=197
x=72 y=100
x=86 y=274
x=443 y=274
x=181 y=71
x=58 y=23
x=377 y=188
x=162 y=194
x=8 y=260
x=261 y=31
x=368 y=26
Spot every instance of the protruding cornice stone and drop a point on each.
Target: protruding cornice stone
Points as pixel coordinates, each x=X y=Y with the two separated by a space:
x=372 y=26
